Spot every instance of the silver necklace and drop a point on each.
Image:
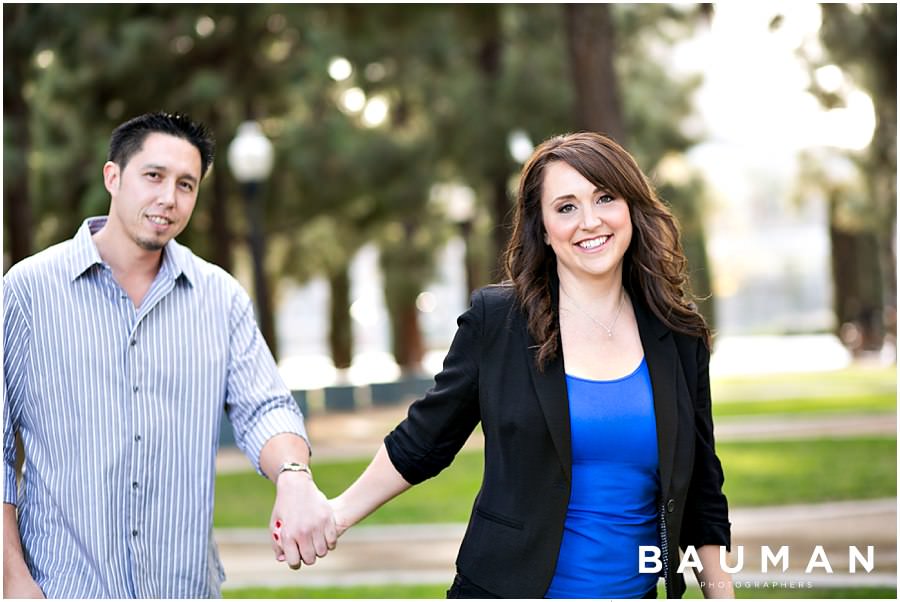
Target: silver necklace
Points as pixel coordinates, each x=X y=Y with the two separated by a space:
x=608 y=329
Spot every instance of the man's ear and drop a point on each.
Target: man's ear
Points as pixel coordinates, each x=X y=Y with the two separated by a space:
x=111 y=174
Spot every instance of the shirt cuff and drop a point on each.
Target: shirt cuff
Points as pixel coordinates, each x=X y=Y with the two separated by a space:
x=10 y=485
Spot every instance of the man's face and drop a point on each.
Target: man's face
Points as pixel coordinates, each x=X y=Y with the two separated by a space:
x=153 y=197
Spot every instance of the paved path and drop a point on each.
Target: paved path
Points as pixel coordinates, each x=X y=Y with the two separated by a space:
x=805 y=427
x=425 y=553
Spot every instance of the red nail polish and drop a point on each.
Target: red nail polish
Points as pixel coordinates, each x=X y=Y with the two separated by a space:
x=278 y=524
x=275 y=536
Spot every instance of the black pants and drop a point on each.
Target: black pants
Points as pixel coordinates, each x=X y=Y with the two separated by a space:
x=463 y=588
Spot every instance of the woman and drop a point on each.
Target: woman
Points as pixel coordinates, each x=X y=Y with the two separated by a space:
x=588 y=370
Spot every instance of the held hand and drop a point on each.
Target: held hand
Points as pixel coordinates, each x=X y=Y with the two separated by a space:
x=302 y=522
x=341 y=520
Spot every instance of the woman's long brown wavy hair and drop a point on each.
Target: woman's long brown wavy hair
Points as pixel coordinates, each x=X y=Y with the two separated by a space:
x=655 y=267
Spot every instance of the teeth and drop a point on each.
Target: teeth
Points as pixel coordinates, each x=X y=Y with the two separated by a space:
x=593 y=243
x=158 y=220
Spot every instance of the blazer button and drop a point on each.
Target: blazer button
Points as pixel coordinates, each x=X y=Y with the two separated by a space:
x=670 y=506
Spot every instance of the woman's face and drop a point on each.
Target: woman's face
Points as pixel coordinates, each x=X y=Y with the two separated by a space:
x=588 y=228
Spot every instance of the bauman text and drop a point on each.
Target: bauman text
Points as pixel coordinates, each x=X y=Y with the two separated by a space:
x=649 y=559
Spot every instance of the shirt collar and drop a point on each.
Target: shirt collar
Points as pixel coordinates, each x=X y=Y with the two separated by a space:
x=175 y=258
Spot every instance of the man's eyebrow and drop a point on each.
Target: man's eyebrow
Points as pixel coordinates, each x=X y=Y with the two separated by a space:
x=165 y=169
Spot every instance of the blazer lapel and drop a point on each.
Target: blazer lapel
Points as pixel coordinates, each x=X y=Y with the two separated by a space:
x=662 y=361
x=552 y=394
x=550 y=386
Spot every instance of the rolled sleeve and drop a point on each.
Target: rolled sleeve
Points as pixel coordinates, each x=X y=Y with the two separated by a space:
x=16 y=345
x=258 y=403
x=10 y=489
x=272 y=422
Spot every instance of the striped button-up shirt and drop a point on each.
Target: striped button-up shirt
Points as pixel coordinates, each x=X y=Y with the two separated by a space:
x=118 y=409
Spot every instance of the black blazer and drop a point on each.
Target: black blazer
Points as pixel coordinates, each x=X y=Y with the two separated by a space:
x=512 y=542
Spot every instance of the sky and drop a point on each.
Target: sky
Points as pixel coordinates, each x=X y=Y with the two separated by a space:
x=755 y=84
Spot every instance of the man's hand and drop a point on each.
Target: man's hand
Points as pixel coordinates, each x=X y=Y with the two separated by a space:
x=20 y=586
x=17 y=581
x=302 y=522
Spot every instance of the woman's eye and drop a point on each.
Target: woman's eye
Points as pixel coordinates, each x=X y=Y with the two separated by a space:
x=606 y=198
x=567 y=208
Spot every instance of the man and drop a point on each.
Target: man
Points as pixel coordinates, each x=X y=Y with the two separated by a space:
x=122 y=349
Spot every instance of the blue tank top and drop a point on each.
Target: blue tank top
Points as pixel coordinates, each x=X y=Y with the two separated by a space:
x=615 y=482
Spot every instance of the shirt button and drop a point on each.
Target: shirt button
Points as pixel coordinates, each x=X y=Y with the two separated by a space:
x=134 y=388
x=133 y=342
x=134 y=485
x=134 y=533
x=137 y=437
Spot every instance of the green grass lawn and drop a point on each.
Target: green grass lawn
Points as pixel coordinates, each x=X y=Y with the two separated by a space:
x=438 y=591
x=853 y=389
x=756 y=473
x=241 y=497
x=761 y=473
x=867 y=403
x=852 y=378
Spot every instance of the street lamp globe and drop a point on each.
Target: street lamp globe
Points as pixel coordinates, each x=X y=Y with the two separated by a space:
x=250 y=154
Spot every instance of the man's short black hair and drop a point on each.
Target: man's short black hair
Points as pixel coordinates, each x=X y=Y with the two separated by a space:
x=128 y=138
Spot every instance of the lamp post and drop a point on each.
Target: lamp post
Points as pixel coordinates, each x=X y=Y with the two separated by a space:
x=250 y=157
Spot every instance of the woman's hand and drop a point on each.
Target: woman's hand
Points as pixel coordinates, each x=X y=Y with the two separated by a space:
x=341 y=521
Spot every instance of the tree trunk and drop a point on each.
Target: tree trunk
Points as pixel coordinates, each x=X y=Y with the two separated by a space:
x=340 y=335
x=502 y=216
x=883 y=187
x=497 y=164
x=218 y=210
x=403 y=281
x=17 y=218
x=472 y=273
x=408 y=346
x=700 y=275
x=591 y=37
x=858 y=303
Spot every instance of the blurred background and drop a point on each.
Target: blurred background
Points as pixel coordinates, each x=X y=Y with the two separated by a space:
x=368 y=156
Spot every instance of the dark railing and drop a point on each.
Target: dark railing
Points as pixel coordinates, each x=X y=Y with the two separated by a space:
x=347 y=398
